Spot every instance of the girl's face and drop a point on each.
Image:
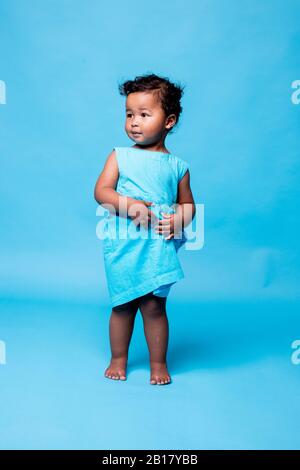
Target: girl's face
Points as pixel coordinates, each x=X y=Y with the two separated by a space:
x=146 y=122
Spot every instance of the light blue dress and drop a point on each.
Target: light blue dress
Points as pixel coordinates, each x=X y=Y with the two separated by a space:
x=137 y=260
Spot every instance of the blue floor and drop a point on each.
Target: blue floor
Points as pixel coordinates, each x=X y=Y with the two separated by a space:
x=234 y=385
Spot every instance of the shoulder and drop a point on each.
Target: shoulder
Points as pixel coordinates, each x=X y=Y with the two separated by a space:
x=178 y=160
x=181 y=166
x=120 y=151
x=116 y=153
x=121 y=156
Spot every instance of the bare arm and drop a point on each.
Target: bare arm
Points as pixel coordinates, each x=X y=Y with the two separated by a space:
x=106 y=195
x=186 y=208
x=104 y=191
x=184 y=213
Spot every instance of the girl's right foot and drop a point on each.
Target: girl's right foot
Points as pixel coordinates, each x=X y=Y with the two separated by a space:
x=117 y=369
x=159 y=373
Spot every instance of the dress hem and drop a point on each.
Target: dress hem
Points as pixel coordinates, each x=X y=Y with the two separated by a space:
x=149 y=286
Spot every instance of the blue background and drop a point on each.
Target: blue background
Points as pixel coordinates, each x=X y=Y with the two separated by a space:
x=234 y=316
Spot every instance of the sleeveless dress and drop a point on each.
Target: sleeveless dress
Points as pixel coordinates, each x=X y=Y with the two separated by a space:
x=138 y=260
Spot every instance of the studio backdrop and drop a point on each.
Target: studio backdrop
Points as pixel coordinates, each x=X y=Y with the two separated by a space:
x=234 y=318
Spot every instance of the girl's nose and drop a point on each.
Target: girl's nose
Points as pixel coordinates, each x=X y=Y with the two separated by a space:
x=135 y=120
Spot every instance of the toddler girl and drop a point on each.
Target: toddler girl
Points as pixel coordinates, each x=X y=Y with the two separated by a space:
x=146 y=190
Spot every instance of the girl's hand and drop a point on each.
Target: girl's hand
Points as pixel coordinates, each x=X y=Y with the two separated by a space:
x=140 y=214
x=170 y=225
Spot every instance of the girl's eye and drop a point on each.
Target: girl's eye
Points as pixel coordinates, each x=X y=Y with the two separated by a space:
x=143 y=114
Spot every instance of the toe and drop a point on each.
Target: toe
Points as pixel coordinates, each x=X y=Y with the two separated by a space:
x=115 y=375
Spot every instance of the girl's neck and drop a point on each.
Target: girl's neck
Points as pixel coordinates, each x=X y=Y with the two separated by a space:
x=151 y=148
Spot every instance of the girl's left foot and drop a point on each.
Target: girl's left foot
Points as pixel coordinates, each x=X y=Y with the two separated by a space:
x=159 y=373
x=117 y=369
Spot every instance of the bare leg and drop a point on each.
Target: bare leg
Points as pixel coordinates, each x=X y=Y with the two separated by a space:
x=120 y=331
x=156 y=327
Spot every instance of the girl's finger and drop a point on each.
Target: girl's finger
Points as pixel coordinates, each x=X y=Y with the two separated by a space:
x=165 y=233
x=163 y=229
x=170 y=236
x=162 y=222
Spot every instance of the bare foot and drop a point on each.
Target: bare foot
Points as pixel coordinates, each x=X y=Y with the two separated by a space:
x=116 y=369
x=159 y=374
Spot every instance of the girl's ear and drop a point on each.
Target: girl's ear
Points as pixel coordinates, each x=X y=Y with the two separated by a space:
x=172 y=119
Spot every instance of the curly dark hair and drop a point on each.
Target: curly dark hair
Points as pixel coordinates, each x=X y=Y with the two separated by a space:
x=168 y=93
